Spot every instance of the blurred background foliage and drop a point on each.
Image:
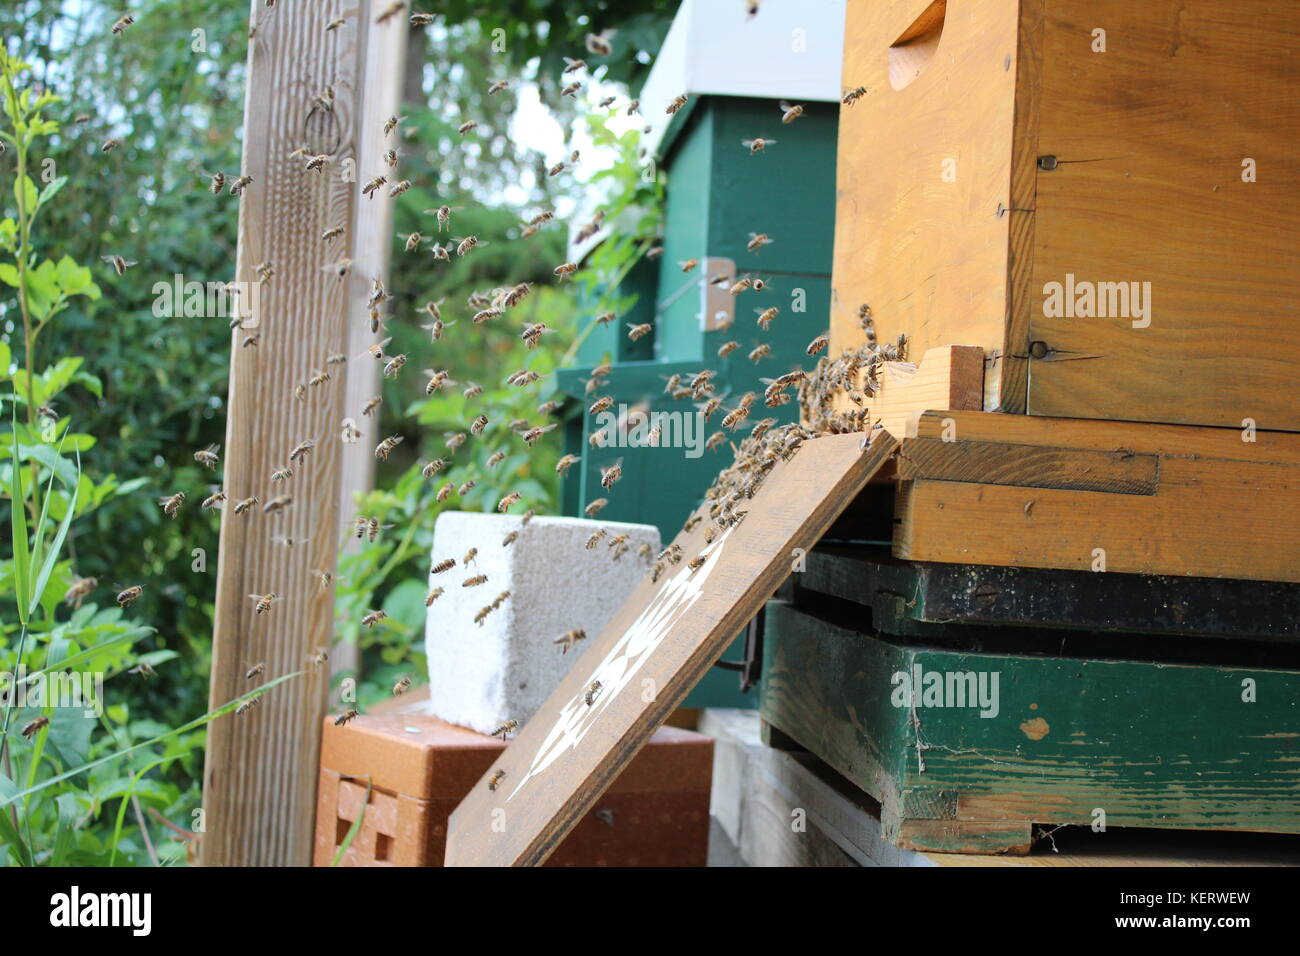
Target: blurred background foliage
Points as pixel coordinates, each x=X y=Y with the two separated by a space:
x=160 y=395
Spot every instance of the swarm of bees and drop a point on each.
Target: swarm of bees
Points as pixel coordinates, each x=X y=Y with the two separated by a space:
x=854 y=375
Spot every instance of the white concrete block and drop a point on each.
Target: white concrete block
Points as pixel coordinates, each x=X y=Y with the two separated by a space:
x=480 y=676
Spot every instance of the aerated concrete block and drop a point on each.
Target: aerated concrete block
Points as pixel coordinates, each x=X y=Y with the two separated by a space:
x=481 y=675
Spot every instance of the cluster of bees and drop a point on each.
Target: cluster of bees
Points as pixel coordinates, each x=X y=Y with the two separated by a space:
x=854 y=374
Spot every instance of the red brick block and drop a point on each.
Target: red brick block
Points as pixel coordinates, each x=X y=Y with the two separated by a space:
x=419 y=769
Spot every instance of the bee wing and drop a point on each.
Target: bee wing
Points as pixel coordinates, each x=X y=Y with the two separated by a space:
x=786 y=107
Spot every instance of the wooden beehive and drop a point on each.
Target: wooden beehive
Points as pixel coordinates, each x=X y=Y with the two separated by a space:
x=1004 y=145
x=419 y=768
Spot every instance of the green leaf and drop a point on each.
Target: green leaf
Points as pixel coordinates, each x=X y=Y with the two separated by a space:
x=43 y=578
x=9 y=274
x=28 y=198
x=18 y=509
x=51 y=189
x=12 y=838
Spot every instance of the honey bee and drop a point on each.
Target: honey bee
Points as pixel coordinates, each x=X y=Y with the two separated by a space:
x=254 y=671
x=434 y=594
x=218 y=183
x=506 y=503
x=394 y=365
x=454 y=442
x=485 y=315
x=373 y=618
x=319 y=658
x=852 y=96
x=611 y=474
x=340 y=268
x=370 y=188
x=349 y=432
x=475 y=581
x=605 y=318
x=245 y=504
x=344 y=717
x=284 y=474
x=369 y=408
x=565 y=269
x=765 y=317
x=756 y=145
x=596 y=537
x=79 y=590
x=745 y=282
x=697 y=562
x=564 y=464
x=569 y=638
x=317 y=163
x=247 y=705
x=444 y=493
x=300 y=450
x=677 y=104
x=592 y=692
x=523 y=377
x=278 y=503
x=819 y=343
x=510 y=539
x=119 y=26
x=689 y=264
x=533 y=435
x=239 y=185
x=335 y=24
x=635 y=332
x=465 y=127
x=601 y=405
x=110 y=145
x=735 y=417
x=496 y=458
x=338 y=358
x=251 y=340
x=412 y=241
x=444 y=565
x=594 y=508
x=390 y=124
x=498 y=86
x=264 y=601
x=466 y=244
x=171 y=505
x=144 y=669
x=506 y=729
x=35 y=727
x=319 y=378
x=119 y=264
x=402 y=686
x=571 y=90
x=325 y=578
x=727 y=348
x=385 y=447
x=496 y=779
x=790 y=112
x=398 y=188
x=433 y=467
x=760 y=353
x=715 y=440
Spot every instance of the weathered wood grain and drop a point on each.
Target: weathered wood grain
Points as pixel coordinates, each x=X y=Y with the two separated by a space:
x=1150 y=744
x=260 y=771
x=650 y=656
x=1029 y=466
x=1221 y=508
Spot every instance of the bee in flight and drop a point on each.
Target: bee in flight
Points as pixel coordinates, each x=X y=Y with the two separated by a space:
x=264 y=601
x=506 y=729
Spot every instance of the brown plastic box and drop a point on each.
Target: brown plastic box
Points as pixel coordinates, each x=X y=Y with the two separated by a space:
x=655 y=814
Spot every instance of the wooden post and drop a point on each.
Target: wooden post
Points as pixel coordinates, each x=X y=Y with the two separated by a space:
x=261 y=770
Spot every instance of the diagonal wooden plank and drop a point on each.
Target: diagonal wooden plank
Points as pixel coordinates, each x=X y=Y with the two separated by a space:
x=260 y=772
x=652 y=653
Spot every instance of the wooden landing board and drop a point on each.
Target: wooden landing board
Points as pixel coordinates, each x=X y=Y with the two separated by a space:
x=651 y=654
